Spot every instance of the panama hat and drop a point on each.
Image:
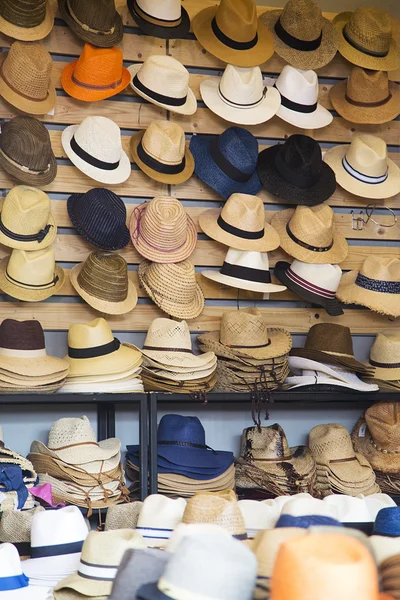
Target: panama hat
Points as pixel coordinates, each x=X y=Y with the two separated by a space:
x=14 y=584
x=25 y=78
x=158 y=517
x=26 y=152
x=97 y=74
x=160 y=152
x=240 y=96
x=365 y=38
x=364 y=169
x=102 y=281
x=164 y=81
x=138 y=567
x=27 y=21
x=302 y=36
x=308 y=234
x=384 y=355
x=94 y=147
x=94 y=21
x=232 y=32
x=257 y=516
x=168 y=20
x=295 y=172
x=31 y=276
x=217 y=508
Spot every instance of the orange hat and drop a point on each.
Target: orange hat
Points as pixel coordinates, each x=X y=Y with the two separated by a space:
x=97 y=74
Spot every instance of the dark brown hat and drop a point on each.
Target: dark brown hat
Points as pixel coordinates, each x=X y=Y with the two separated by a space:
x=26 y=20
x=94 y=21
x=25 y=151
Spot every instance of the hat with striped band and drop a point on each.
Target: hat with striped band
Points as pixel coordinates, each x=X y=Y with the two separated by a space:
x=158 y=518
x=363 y=168
x=385 y=355
x=166 y=20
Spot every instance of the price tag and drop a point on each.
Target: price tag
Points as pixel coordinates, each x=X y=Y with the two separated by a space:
x=362 y=430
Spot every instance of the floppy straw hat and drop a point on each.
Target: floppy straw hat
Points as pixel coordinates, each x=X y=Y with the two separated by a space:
x=31 y=276
x=308 y=234
x=166 y=20
x=364 y=169
x=302 y=36
x=102 y=281
x=27 y=20
x=164 y=81
x=161 y=231
x=365 y=38
x=14 y=584
x=232 y=32
x=94 y=21
x=95 y=148
x=384 y=355
x=97 y=74
x=160 y=152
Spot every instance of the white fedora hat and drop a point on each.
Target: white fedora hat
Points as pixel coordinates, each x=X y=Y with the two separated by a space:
x=129 y=384
x=240 y=96
x=299 y=506
x=299 y=99
x=298 y=365
x=14 y=584
x=245 y=270
x=258 y=516
x=158 y=518
x=95 y=148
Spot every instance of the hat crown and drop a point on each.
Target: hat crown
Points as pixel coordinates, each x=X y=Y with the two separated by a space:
x=386 y=347
x=367 y=154
x=217 y=508
x=24 y=13
x=105 y=275
x=106 y=548
x=161 y=511
x=101 y=138
x=246 y=258
x=15 y=526
x=164 y=75
x=33 y=268
x=302 y=19
x=381 y=268
x=27 y=68
x=295 y=83
x=237 y=19
x=383 y=420
x=324 y=276
x=302 y=155
x=240 y=148
x=264 y=443
x=99 y=66
x=245 y=212
x=243 y=328
x=370 y=28
x=169 y=10
x=165 y=142
x=331 y=338
x=164 y=218
x=177 y=428
x=90 y=335
x=21 y=335
x=69 y=431
x=53 y=527
x=166 y=333
x=329 y=442
x=99 y=15
x=10 y=564
x=26 y=210
x=26 y=140
x=167 y=279
x=367 y=86
x=313 y=224
x=242 y=85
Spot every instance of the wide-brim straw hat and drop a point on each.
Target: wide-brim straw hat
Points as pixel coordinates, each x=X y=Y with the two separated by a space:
x=127 y=385
x=190 y=376
x=149 y=362
x=21 y=381
x=351 y=293
x=384 y=356
x=379 y=458
x=179 y=387
x=35 y=366
x=94 y=464
x=29 y=34
x=97 y=39
x=280 y=343
x=60 y=470
x=29 y=294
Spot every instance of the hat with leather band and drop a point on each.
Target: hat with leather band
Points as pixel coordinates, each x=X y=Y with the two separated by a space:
x=166 y=20
x=385 y=355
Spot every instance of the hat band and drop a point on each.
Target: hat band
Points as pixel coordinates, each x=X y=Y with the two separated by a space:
x=307 y=246
x=21 y=284
x=163 y=349
x=17 y=91
x=23 y=167
x=95 y=351
x=190 y=444
x=307 y=285
x=91 y=160
x=368 y=104
x=226 y=167
x=24 y=548
x=155 y=20
x=246 y=235
x=362 y=48
x=246 y=273
x=13 y=353
x=242 y=346
x=361 y=176
x=97 y=572
x=158 y=97
x=57 y=550
x=374 y=363
x=293 y=177
x=86 y=27
x=227 y=41
x=16 y=582
x=294 y=42
x=89 y=86
x=154 y=532
x=238 y=104
x=377 y=285
x=34 y=237
x=157 y=166
x=296 y=106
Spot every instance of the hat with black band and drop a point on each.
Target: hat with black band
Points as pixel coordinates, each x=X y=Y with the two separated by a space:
x=166 y=20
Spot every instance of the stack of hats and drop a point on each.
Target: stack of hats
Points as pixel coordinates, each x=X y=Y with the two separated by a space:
x=184 y=461
x=384 y=356
x=340 y=470
x=81 y=470
x=17 y=476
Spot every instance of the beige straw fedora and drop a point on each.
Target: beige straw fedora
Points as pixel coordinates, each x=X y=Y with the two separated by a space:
x=161 y=231
x=161 y=152
x=103 y=282
x=123 y=516
x=31 y=276
x=25 y=78
x=173 y=288
x=308 y=234
x=376 y=285
x=385 y=355
x=216 y=508
x=241 y=224
x=364 y=169
x=27 y=20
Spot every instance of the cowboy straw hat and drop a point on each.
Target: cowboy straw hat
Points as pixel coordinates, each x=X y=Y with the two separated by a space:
x=153 y=383
x=94 y=21
x=302 y=36
x=16 y=584
x=27 y=21
x=164 y=81
x=363 y=167
x=59 y=469
x=93 y=468
x=103 y=282
x=232 y=32
x=168 y=20
x=149 y=362
x=308 y=234
x=384 y=355
x=160 y=151
x=299 y=364
x=129 y=384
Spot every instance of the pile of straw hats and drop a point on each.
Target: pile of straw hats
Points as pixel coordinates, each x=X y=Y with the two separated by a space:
x=384 y=356
x=17 y=477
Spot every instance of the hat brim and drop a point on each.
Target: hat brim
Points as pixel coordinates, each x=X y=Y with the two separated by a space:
x=154 y=385
x=35 y=367
x=383 y=375
x=363 y=115
x=51 y=567
x=189 y=376
x=302 y=462
x=148 y=362
x=298 y=381
x=348 y=362
x=306 y=364
x=165 y=33
x=102 y=41
x=179 y=359
x=30 y=592
x=114 y=177
x=201 y=460
x=181 y=177
x=85 y=94
x=275 y=184
x=243 y=284
x=385 y=462
x=377 y=191
x=29 y=294
x=29 y=34
x=350 y=293
x=130 y=385
x=28 y=178
x=126 y=357
x=280 y=343
x=20 y=380
x=320 y=117
x=80 y=454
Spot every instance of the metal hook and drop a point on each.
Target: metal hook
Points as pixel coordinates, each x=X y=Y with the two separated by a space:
x=359 y=222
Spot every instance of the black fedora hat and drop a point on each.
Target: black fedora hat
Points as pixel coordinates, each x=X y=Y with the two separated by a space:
x=99 y=216
x=295 y=171
x=160 y=19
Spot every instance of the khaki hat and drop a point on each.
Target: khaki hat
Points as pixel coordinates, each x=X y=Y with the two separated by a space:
x=161 y=152
x=384 y=355
x=25 y=78
x=158 y=518
x=123 y=516
x=26 y=20
x=15 y=528
x=216 y=508
x=197 y=386
x=95 y=21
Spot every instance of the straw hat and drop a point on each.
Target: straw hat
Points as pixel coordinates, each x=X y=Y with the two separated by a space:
x=218 y=508
x=25 y=78
x=241 y=224
x=302 y=36
x=44 y=463
x=376 y=285
x=167 y=20
x=97 y=74
x=15 y=528
x=308 y=234
x=161 y=231
x=159 y=517
x=102 y=281
x=26 y=20
x=15 y=584
x=161 y=152
x=123 y=516
x=365 y=38
x=164 y=81
x=95 y=148
x=154 y=383
x=173 y=288
x=26 y=152
x=364 y=169
x=232 y=32
x=149 y=362
x=31 y=276
x=94 y=21
x=384 y=355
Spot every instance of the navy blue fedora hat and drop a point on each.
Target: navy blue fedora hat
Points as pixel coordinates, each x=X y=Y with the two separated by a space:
x=306 y=521
x=387 y=522
x=227 y=163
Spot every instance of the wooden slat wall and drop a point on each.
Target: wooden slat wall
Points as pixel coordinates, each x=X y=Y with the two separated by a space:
x=132 y=114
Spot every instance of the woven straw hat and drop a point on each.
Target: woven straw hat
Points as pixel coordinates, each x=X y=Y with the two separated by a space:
x=240 y=224
x=25 y=78
x=15 y=528
x=154 y=383
x=216 y=508
x=161 y=231
x=102 y=281
x=77 y=474
x=385 y=355
x=161 y=152
x=40 y=453
x=164 y=81
x=149 y=362
x=190 y=376
x=26 y=20
x=173 y=288
x=97 y=74
x=31 y=276
x=123 y=516
x=365 y=38
x=308 y=234
x=376 y=285
x=364 y=169
x=94 y=21
x=302 y=36
x=166 y=20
